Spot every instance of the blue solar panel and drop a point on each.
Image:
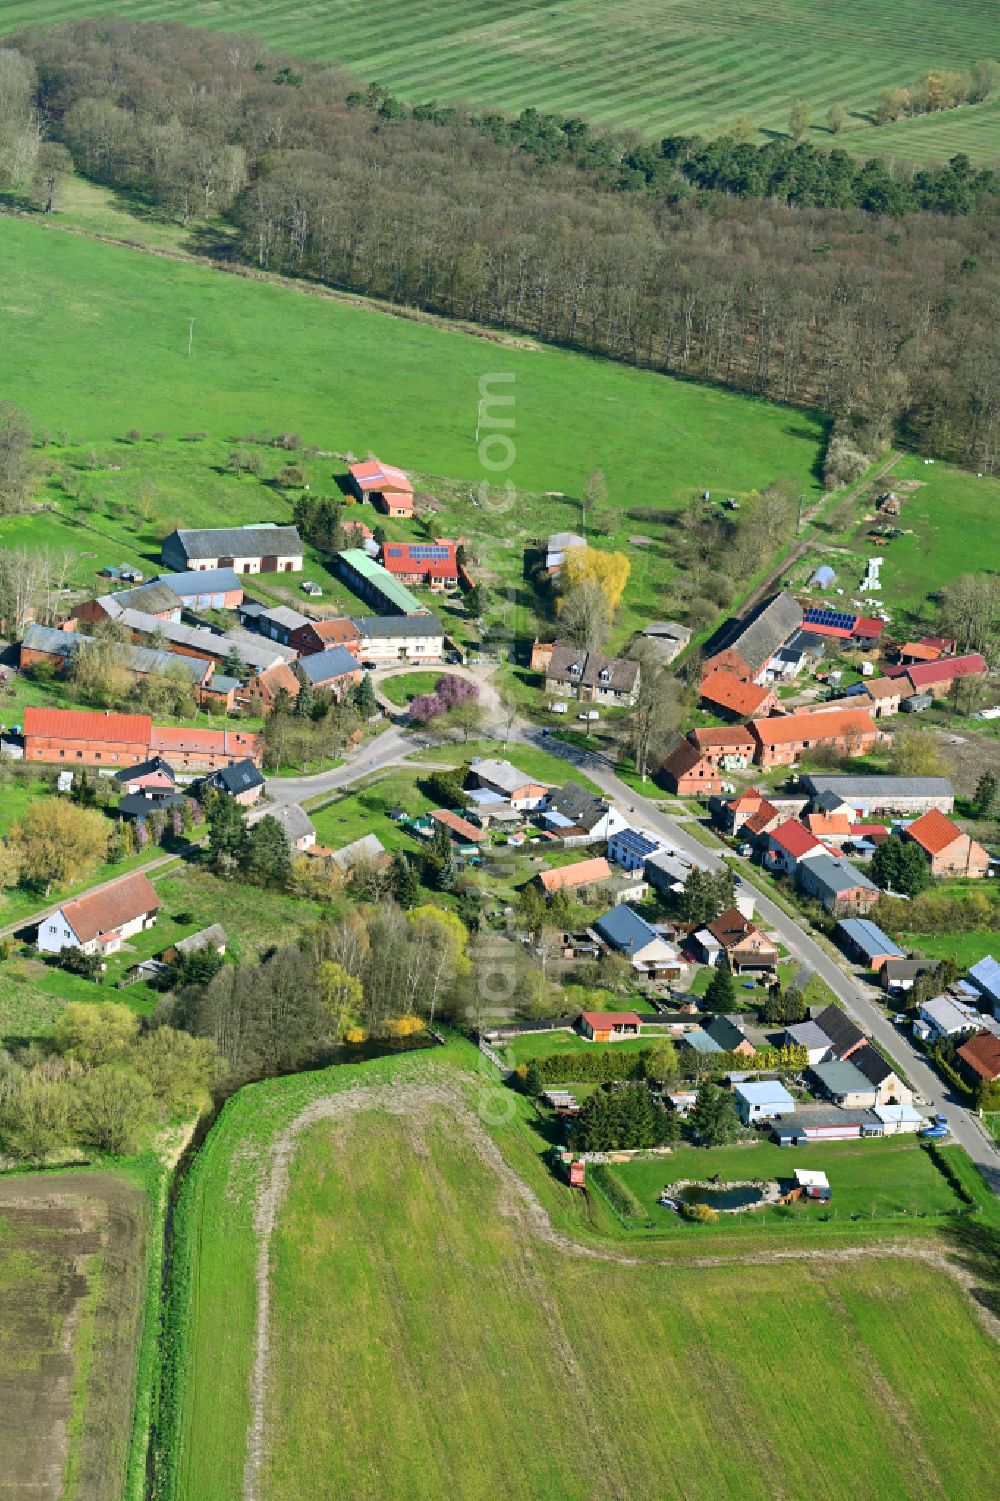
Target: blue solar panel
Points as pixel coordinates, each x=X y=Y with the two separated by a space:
x=835 y=618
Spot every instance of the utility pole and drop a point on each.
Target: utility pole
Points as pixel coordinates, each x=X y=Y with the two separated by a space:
x=190 y=335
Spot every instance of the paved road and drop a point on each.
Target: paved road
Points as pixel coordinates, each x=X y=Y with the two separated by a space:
x=31 y=918
x=857 y=998
x=384 y=751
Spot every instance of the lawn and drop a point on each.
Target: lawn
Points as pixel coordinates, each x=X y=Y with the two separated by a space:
x=870 y=1179
x=465 y=1354
x=935 y=548
x=698 y=69
x=964 y=948
x=533 y=762
x=401 y=689
x=269 y=356
x=551 y=1044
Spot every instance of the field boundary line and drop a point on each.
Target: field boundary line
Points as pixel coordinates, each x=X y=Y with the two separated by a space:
x=401 y=1099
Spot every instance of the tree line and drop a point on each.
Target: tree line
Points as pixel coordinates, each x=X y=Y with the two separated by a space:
x=797 y=295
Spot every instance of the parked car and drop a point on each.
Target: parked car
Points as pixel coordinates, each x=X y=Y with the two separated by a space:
x=934 y=1133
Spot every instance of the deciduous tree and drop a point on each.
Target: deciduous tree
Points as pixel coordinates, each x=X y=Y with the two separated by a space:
x=58 y=843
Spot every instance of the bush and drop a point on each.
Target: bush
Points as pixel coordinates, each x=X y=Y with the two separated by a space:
x=701 y=1214
x=618 y=1194
x=591 y=1067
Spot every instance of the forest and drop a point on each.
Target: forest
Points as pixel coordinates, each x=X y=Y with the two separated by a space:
x=881 y=319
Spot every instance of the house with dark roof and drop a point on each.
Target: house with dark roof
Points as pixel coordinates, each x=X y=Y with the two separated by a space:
x=244 y=549
x=864 y=941
x=837 y=885
x=591 y=677
x=889 y=1087
x=631 y=848
x=897 y=976
x=154 y=774
x=155 y=598
x=573 y=806
x=730 y=1037
x=749 y=647
x=137 y=807
x=745 y=945
x=624 y=931
x=845 y=1037
x=102 y=920
x=241 y=781
x=810 y=1036
x=388 y=639
x=335 y=669
x=688 y=772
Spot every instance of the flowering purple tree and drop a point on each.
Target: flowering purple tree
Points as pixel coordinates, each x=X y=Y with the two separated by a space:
x=425 y=707
x=453 y=691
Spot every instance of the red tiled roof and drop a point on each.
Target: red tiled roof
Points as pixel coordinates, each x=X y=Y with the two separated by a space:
x=74 y=724
x=729 y=735
x=867 y=625
x=337 y=631
x=107 y=910
x=946 y=670
x=730 y=693
x=582 y=873
x=933 y=832
x=794 y=838
x=459 y=826
x=404 y=558
x=758 y=822
x=820 y=725
x=682 y=759
x=601 y=1021
x=982 y=1054
x=205 y=742
x=816 y=629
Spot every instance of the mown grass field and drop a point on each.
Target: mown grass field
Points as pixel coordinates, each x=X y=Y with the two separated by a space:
x=964 y=948
x=629 y=63
x=85 y=323
x=462 y=1354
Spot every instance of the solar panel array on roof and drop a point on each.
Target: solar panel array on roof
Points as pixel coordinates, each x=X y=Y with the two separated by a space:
x=835 y=618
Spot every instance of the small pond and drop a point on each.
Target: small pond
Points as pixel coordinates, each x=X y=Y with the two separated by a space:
x=741 y=1196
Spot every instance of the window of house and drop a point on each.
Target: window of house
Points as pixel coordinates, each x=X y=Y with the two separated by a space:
x=79 y=755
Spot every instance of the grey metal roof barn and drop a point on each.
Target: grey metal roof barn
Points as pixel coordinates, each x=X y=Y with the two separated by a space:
x=234 y=541
x=757 y=639
x=878 y=790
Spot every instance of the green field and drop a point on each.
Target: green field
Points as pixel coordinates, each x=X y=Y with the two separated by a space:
x=964 y=948
x=83 y=323
x=646 y=67
x=466 y=1353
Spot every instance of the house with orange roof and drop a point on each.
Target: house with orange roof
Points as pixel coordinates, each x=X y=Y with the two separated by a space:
x=95 y=739
x=724 y=693
x=927 y=649
x=766 y=818
x=101 y=921
x=387 y=487
x=459 y=828
x=832 y=828
x=948 y=851
x=206 y=750
x=733 y=814
x=259 y=693
x=785 y=740
x=573 y=877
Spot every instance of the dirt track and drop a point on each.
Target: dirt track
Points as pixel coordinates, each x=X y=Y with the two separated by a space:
x=519 y=1200
x=71 y=1249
